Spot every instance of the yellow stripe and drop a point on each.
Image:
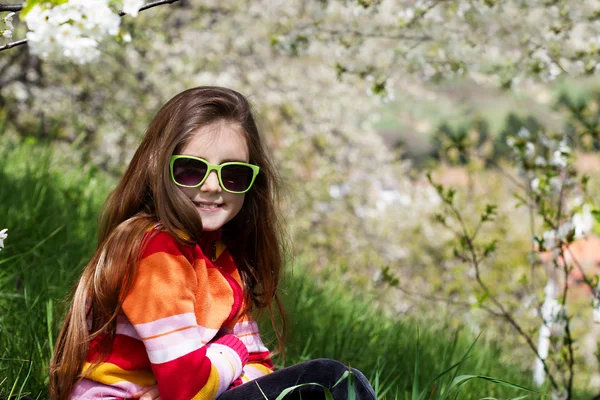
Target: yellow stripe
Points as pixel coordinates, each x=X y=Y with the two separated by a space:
x=264 y=370
x=209 y=391
x=220 y=248
x=110 y=374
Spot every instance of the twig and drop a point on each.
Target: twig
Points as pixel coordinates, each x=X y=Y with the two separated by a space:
x=13 y=44
x=445 y=300
x=382 y=35
x=121 y=14
x=504 y=313
x=150 y=5
x=11 y=7
x=579 y=267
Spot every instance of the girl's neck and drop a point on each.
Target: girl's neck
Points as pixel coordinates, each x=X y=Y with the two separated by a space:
x=208 y=242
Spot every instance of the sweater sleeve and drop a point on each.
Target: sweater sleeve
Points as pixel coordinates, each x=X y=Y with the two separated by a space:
x=161 y=307
x=259 y=361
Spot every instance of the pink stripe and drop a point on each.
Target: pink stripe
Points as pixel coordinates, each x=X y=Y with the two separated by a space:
x=89 y=389
x=124 y=327
x=254 y=344
x=245 y=327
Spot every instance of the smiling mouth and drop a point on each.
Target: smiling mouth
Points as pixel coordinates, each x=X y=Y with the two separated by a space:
x=208 y=206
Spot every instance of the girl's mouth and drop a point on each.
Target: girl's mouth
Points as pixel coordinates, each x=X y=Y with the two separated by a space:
x=208 y=206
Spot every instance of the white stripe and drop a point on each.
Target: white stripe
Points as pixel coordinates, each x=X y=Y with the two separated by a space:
x=164 y=341
x=245 y=327
x=163 y=355
x=227 y=362
x=165 y=325
x=254 y=343
x=125 y=328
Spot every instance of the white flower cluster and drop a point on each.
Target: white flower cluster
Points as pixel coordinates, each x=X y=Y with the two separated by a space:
x=74 y=29
x=3 y=236
x=8 y=32
x=538 y=153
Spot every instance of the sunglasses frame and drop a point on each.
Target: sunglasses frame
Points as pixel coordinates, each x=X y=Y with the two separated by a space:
x=214 y=167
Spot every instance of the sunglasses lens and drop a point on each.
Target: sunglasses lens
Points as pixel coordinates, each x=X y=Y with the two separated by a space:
x=189 y=172
x=236 y=178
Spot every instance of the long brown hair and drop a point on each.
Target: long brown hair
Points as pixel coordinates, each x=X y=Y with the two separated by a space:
x=146 y=196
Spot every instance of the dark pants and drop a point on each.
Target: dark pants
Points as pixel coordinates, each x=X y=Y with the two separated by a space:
x=322 y=371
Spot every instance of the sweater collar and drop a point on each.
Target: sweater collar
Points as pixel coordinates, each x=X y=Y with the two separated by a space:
x=208 y=240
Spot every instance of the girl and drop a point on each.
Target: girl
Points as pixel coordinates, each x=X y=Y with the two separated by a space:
x=189 y=243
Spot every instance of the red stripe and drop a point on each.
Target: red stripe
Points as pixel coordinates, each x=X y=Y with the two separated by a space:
x=225 y=262
x=261 y=358
x=184 y=377
x=164 y=242
x=237 y=295
x=126 y=353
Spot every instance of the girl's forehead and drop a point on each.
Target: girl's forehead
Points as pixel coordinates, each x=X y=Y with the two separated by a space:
x=218 y=143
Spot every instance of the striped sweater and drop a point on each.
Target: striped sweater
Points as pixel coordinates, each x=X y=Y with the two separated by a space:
x=181 y=327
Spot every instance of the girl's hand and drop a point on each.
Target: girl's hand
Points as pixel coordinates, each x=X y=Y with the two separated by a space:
x=147 y=393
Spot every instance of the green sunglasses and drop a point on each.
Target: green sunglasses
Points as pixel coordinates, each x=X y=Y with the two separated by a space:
x=234 y=177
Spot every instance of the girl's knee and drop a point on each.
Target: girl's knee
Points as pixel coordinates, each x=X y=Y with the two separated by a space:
x=327 y=364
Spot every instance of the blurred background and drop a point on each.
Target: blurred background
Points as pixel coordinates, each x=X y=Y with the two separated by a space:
x=357 y=101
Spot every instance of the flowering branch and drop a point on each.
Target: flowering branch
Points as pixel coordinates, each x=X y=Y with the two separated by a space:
x=18 y=7
x=471 y=254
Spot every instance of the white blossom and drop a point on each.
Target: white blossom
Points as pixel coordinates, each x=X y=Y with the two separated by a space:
x=132 y=7
x=8 y=20
x=583 y=221
x=529 y=150
x=524 y=133
x=8 y=33
x=561 y=394
x=72 y=30
x=3 y=235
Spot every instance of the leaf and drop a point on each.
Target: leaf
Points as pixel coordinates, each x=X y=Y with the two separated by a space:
x=520 y=200
x=464 y=379
x=490 y=248
x=596 y=214
x=389 y=277
x=328 y=395
x=415 y=388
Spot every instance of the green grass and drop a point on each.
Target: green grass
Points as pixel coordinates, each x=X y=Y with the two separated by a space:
x=50 y=211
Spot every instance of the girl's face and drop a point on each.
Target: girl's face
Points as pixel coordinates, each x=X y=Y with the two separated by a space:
x=216 y=143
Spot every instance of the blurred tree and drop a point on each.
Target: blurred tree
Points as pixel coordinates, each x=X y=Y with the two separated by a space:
x=513 y=124
x=583 y=119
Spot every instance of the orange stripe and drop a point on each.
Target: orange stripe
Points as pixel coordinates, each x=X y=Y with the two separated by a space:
x=248 y=334
x=167 y=333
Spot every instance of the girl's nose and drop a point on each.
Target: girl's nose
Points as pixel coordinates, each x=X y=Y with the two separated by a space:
x=211 y=184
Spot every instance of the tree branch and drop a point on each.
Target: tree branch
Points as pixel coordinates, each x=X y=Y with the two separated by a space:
x=378 y=35
x=504 y=313
x=151 y=5
x=9 y=7
x=13 y=44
